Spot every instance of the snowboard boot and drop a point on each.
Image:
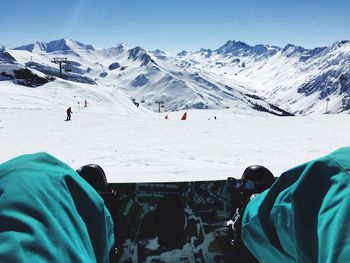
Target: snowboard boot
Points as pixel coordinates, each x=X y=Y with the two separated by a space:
x=96 y=177
x=255 y=179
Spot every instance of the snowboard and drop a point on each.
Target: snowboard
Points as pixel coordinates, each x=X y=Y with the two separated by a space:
x=173 y=222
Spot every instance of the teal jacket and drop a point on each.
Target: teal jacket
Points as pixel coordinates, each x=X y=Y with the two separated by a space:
x=48 y=213
x=305 y=215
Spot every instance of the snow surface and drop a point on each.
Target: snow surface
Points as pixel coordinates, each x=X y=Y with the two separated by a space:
x=136 y=145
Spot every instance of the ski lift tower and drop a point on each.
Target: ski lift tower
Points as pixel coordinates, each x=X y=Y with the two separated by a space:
x=60 y=61
x=159 y=102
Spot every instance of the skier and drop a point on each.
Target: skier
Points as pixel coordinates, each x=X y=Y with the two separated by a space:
x=304 y=216
x=69 y=112
x=49 y=213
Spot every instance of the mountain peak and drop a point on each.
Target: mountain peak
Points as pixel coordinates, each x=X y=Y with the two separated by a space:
x=232 y=46
x=159 y=54
x=239 y=48
x=138 y=53
x=340 y=43
x=182 y=53
x=290 y=50
x=63 y=44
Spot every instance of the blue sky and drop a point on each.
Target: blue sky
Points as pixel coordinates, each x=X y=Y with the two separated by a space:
x=175 y=24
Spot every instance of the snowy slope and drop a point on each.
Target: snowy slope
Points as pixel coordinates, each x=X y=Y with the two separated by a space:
x=134 y=144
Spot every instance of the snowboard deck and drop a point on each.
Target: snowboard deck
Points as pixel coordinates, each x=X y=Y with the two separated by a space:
x=207 y=206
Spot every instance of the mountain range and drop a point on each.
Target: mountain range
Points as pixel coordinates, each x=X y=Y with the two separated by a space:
x=285 y=81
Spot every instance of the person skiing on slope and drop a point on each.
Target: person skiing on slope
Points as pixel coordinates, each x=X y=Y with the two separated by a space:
x=304 y=216
x=69 y=112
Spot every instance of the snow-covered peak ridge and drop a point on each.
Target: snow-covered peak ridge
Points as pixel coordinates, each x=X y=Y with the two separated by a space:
x=36 y=47
x=304 y=54
x=5 y=56
x=182 y=53
x=63 y=44
x=291 y=49
x=343 y=44
x=239 y=48
x=232 y=46
x=138 y=53
x=160 y=54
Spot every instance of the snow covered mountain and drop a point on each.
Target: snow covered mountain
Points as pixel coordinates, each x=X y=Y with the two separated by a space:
x=282 y=81
x=55 y=46
x=294 y=78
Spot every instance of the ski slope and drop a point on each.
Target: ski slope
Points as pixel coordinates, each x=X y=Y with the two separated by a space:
x=136 y=145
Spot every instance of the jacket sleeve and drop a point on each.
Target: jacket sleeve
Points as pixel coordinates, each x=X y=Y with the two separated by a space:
x=304 y=216
x=48 y=213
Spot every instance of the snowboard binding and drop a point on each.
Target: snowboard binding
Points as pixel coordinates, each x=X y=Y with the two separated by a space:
x=255 y=179
x=162 y=215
